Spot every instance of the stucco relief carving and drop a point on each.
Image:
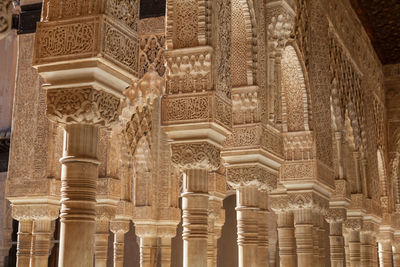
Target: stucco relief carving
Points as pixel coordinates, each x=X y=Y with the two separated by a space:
x=126 y=11
x=5 y=17
x=279 y=30
x=189 y=70
x=82 y=105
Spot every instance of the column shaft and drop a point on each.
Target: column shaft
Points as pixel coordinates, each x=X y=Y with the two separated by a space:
x=165 y=249
x=148 y=251
x=101 y=243
x=366 y=249
x=287 y=249
x=78 y=195
x=304 y=237
x=354 y=248
x=41 y=243
x=247 y=225
x=263 y=245
x=396 y=259
x=195 y=218
x=336 y=242
x=119 y=239
x=24 y=243
x=212 y=245
x=385 y=254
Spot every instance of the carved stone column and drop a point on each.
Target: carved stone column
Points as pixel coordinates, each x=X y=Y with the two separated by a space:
x=316 y=241
x=385 y=253
x=108 y=194
x=286 y=239
x=216 y=220
x=353 y=227
x=119 y=228
x=34 y=230
x=368 y=248
x=396 y=252
x=335 y=218
x=41 y=237
x=166 y=234
x=304 y=236
x=148 y=251
x=247 y=225
x=101 y=243
x=24 y=243
x=195 y=217
x=263 y=237
x=346 y=247
x=85 y=70
x=321 y=236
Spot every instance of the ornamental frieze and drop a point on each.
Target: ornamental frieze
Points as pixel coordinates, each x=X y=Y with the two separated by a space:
x=87 y=37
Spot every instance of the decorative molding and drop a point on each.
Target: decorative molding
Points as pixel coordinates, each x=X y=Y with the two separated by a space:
x=200 y=155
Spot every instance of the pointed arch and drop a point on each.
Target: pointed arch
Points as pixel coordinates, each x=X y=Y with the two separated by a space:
x=295 y=100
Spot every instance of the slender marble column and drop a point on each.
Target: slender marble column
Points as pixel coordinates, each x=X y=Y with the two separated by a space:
x=247 y=225
x=41 y=237
x=396 y=254
x=78 y=195
x=315 y=237
x=195 y=218
x=24 y=243
x=346 y=247
x=263 y=215
x=321 y=236
x=165 y=249
x=366 y=249
x=385 y=254
x=148 y=251
x=336 y=242
x=101 y=243
x=287 y=248
x=354 y=248
x=272 y=252
x=119 y=228
x=304 y=237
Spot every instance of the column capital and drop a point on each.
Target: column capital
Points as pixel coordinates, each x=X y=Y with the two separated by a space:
x=198 y=155
x=119 y=226
x=335 y=215
x=252 y=175
x=85 y=105
x=353 y=224
x=34 y=211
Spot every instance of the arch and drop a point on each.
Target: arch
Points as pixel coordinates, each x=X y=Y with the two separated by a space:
x=295 y=102
x=242 y=42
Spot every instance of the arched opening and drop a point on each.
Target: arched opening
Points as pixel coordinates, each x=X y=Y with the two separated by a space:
x=294 y=94
x=241 y=45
